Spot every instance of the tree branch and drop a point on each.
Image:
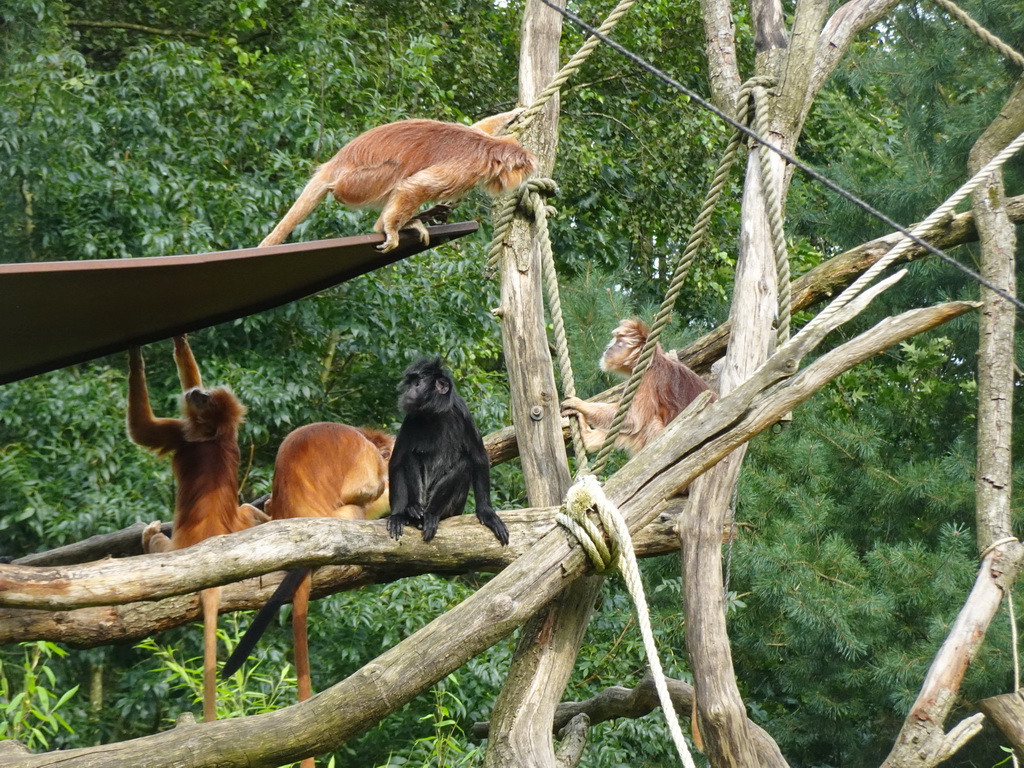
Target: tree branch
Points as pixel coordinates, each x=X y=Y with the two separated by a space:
x=461 y=545
x=633 y=703
x=921 y=742
x=101 y=625
x=830 y=277
x=720 y=44
x=846 y=23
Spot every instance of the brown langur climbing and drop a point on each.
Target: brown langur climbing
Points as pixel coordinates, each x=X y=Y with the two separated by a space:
x=396 y=168
x=667 y=387
x=204 y=448
x=322 y=470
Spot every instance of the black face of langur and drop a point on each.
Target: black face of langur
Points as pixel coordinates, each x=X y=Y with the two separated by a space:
x=437 y=454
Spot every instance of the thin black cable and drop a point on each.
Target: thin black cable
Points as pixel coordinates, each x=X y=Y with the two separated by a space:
x=651 y=69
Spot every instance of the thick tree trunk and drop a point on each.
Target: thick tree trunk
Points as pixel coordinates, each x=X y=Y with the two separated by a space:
x=800 y=62
x=722 y=714
x=548 y=643
x=995 y=349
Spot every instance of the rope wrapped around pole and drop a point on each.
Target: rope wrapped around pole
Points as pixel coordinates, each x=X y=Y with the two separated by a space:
x=588 y=494
x=771 y=185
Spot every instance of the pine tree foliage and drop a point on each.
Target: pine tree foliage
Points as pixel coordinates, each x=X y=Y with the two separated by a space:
x=856 y=551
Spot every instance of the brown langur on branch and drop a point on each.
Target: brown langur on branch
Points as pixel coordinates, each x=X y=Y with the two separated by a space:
x=204 y=448
x=322 y=470
x=667 y=387
x=396 y=168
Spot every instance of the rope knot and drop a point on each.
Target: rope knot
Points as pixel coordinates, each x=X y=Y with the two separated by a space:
x=532 y=197
x=588 y=494
x=585 y=495
x=528 y=198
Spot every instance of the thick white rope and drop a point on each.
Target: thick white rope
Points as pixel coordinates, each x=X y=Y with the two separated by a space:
x=588 y=494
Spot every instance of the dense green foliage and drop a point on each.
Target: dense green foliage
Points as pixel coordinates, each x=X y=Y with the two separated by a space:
x=193 y=130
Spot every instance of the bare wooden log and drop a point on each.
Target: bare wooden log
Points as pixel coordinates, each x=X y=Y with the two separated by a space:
x=1007 y=714
x=401 y=673
x=921 y=740
x=102 y=625
x=9 y=748
x=501 y=445
x=461 y=545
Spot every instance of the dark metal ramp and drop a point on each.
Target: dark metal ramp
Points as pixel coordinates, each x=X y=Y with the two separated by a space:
x=58 y=313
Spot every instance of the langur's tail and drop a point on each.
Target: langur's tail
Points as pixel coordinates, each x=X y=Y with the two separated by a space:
x=259 y=625
x=315 y=191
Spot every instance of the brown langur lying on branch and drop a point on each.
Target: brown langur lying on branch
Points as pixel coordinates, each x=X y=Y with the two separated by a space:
x=396 y=168
x=322 y=470
x=204 y=447
x=667 y=387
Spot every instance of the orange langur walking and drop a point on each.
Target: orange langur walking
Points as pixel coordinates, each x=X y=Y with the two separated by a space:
x=204 y=445
x=322 y=470
x=398 y=167
x=667 y=387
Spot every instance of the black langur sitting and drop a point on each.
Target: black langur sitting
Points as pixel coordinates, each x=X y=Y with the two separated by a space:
x=437 y=453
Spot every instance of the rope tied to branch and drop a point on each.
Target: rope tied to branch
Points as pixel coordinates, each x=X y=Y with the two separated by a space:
x=587 y=494
x=523 y=198
x=995 y=545
x=531 y=200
